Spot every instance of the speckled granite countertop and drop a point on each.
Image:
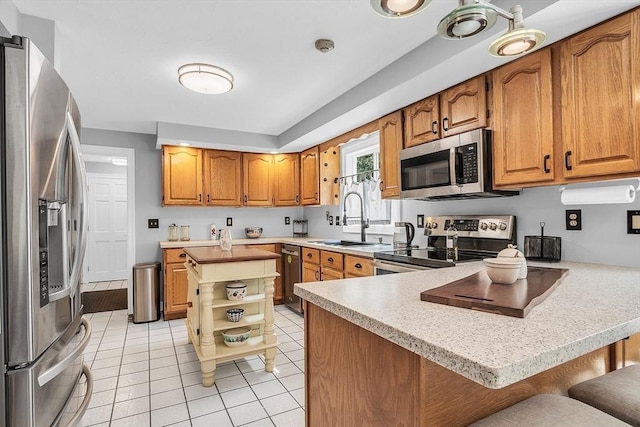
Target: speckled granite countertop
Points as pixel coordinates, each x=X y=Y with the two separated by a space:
x=363 y=251
x=594 y=306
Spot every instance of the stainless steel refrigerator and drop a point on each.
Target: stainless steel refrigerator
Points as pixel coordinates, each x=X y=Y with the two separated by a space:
x=44 y=207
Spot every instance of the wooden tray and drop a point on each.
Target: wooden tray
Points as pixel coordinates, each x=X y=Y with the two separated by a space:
x=478 y=292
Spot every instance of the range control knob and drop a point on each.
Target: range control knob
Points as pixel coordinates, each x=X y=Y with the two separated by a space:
x=502 y=226
x=428 y=225
x=434 y=225
x=492 y=225
x=483 y=226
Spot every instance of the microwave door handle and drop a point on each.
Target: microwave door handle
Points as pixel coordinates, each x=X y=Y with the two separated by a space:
x=78 y=163
x=453 y=165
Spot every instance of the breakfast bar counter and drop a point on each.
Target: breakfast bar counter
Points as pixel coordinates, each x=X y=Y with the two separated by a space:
x=452 y=366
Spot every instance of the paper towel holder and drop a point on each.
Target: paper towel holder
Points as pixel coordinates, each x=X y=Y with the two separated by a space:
x=591 y=192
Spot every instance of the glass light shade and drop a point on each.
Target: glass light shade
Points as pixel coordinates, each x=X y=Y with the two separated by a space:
x=205 y=78
x=398 y=8
x=467 y=21
x=517 y=41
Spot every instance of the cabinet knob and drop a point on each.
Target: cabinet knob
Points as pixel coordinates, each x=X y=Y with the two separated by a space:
x=189 y=304
x=208 y=198
x=245 y=198
x=358 y=265
x=297 y=199
x=182 y=255
x=434 y=127
x=316 y=195
x=381 y=185
x=309 y=255
x=544 y=163
x=567 y=164
x=330 y=259
x=445 y=123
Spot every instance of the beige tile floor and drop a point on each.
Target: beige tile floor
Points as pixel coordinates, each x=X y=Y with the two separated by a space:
x=103 y=286
x=148 y=375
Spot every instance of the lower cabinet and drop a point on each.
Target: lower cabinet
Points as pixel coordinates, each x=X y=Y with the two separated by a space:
x=320 y=265
x=176 y=284
x=356 y=266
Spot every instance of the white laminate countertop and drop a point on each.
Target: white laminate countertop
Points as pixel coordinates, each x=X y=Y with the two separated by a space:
x=595 y=305
x=310 y=242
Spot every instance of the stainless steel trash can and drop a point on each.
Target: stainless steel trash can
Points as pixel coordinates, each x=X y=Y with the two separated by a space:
x=146 y=292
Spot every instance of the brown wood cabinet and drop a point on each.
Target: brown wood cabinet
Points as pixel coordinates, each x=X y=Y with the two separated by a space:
x=464 y=107
x=422 y=121
x=278 y=291
x=523 y=143
x=600 y=72
x=257 y=171
x=181 y=176
x=310 y=176
x=355 y=266
x=329 y=174
x=222 y=178
x=286 y=174
x=176 y=284
x=390 y=127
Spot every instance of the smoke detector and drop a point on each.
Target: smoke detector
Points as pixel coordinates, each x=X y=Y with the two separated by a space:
x=324 y=45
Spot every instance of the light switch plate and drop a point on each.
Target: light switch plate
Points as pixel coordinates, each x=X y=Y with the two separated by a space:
x=574 y=219
x=420 y=221
x=229 y=222
x=337 y=219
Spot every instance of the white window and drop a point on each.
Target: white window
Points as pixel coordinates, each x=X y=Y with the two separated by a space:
x=361 y=174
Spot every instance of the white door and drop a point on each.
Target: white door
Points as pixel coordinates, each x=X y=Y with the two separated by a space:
x=107 y=243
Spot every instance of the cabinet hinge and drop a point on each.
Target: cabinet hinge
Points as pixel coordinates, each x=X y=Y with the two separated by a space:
x=488 y=114
x=487 y=86
x=198 y=331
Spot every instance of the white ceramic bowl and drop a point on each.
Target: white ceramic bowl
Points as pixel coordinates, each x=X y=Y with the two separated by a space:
x=503 y=270
x=235 y=314
x=236 y=337
x=253 y=232
x=236 y=291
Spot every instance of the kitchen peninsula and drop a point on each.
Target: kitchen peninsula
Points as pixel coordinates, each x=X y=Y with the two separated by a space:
x=376 y=354
x=209 y=269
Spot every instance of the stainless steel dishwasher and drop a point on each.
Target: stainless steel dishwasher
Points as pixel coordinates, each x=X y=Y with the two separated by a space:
x=291 y=274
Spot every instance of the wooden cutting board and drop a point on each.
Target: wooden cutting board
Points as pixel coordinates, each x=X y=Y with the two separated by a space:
x=478 y=292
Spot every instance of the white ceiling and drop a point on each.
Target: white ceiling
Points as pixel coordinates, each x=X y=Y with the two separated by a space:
x=120 y=59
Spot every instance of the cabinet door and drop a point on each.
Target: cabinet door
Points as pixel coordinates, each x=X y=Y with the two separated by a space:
x=287 y=179
x=331 y=274
x=464 y=107
x=176 y=287
x=390 y=145
x=329 y=174
x=310 y=176
x=310 y=272
x=222 y=178
x=355 y=266
x=600 y=72
x=181 y=176
x=523 y=121
x=422 y=121
x=258 y=179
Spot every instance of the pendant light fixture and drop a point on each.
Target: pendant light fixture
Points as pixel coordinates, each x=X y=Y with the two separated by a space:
x=472 y=17
x=399 y=8
x=205 y=78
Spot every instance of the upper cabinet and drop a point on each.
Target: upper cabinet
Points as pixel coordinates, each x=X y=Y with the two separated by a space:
x=600 y=72
x=523 y=120
x=464 y=107
x=422 y=121
x=390 y=127
x=329 y=175
x=453 y=111
x=222 y=178
x=286 y=176
x=258 y=179
x=310 y=176
x=181 y=176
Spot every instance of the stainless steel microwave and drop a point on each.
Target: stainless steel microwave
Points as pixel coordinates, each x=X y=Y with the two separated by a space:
x=458 y=166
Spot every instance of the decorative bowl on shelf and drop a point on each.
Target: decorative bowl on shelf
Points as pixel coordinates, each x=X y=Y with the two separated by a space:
x=253 y=232
x=236 y=291
x=503 y=270
x=235 y=314
x=236 y=337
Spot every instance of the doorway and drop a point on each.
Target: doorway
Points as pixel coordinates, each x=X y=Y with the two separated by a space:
x=110 y=254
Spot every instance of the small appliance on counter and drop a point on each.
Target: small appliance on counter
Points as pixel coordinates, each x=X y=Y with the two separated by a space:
x=543 y=248
x=403 y=235
x=300 y=228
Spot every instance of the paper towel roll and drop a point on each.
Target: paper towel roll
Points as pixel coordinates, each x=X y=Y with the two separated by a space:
x=598 y=195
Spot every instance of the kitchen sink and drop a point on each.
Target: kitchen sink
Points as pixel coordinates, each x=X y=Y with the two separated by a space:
x=343 y=243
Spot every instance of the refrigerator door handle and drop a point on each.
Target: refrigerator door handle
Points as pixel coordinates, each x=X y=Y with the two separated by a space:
x=85 y=401
x=74 y=278
x=53 y=372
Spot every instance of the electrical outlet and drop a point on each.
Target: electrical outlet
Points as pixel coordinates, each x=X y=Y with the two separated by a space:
x=420 y=221
x=229 y=222
x=337 y=219
x=330 y=219
x=153 y=223
x=287 y=220
x=633 y=222
x=574 y=219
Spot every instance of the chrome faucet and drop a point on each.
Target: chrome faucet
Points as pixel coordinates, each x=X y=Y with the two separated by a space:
x=363 y=224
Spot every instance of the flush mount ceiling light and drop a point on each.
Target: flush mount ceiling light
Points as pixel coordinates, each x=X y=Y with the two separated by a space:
x=399 y=8
x=205 y=78
x=472 y=17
